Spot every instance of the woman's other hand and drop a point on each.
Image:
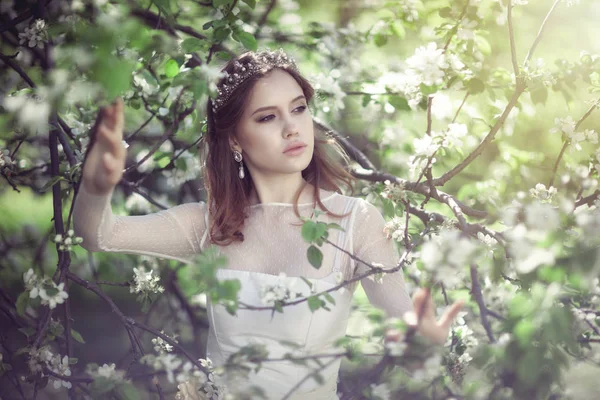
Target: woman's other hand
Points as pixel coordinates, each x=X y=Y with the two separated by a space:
x=105 y=160
x=423 y=319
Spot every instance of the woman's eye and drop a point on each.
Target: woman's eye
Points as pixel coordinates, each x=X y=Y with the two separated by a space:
x=265 y=118
x=268 y=117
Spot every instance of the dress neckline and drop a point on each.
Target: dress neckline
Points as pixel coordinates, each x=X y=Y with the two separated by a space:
x=291 y=204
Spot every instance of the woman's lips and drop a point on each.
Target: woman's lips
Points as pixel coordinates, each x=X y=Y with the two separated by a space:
x=295 y=151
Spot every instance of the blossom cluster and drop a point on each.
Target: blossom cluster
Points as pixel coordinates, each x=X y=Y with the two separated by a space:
x=447 y=254
x=161 y=346
x=145 y=282
x=426 y=147
x=567 y=126
x=35 y=35
x=44 y=358
x=196 y=385
x=542 y=193
x=282 y=290
x=107 y=371
x=45 y=288
x=394 y=229
x=329 y=83
x=5 y=159
x=66 y=242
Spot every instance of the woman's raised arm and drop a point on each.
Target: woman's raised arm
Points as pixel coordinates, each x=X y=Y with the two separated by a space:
x=371 y=245
x=176 y=233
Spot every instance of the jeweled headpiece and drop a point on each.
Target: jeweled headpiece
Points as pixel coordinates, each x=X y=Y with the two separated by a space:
x=260 y=62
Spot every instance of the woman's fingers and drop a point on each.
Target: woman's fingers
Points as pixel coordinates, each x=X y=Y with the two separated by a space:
x=118 y=116
x=109 y=138
x=451 y=313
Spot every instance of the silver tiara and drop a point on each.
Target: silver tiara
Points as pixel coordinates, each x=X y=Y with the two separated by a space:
x=262 y=62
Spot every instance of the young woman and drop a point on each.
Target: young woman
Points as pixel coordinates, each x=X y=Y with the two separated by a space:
x=266 y=166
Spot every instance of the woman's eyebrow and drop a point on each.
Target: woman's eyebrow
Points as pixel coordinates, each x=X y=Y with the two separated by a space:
x=269 y=107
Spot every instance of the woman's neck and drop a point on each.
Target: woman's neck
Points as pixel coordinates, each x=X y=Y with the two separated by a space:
x=281 y=191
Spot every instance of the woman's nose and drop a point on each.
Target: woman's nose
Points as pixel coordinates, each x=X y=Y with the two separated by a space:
x=290 y=129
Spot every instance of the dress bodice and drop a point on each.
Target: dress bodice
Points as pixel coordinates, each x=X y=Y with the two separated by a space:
x=297 y=331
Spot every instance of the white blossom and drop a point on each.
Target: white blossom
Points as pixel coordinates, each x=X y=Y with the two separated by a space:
x=212 y=75
x=430 y=369
x=35 y=35
x=109 y=372
x=396 y=348
x=32 y=113
x=542 y=216
x=145 y=282
x=161 y=346
x=51 y=300
x=526 y=254
x=466 y=30
x=61 y=367
x=591 y=136
x=453 y=136
x=425 y=146
x=141 y=84
x=447 y=255
x=542 y=193
x=394 y=229
x=429 y=63
x=67 y=242
x=39 y=358
x=329 y=83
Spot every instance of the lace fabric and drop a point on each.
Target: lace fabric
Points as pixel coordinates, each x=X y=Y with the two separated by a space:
x=273 y=243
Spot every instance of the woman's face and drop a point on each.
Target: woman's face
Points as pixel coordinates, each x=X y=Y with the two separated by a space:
x=276 y=118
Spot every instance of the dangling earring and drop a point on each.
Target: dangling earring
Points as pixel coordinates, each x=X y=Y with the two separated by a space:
x=237 y=156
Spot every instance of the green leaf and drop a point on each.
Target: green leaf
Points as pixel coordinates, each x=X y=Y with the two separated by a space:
x=315 y=257
x=380 y=39
x=247 y=39
x=329 y=298
x=384 y=13
x=163 y=5
x=475 y=86
x=333 y=225
x=128 y=392
x=539 y=95
x=314 y=303
x=28 y=331
x=399 y=103
x=445 y=12
x=171 y=68
x=483 y=45
x=251 y=3
x=221 y=3
x=524 y=332
x=113 y=74
x=397 y=29
x=48 y=185
x=388 y=208
x=311 y=230
x=77 y=336
x=191 y=45
x=221 y=33
x=102 y=385
x=22 y=303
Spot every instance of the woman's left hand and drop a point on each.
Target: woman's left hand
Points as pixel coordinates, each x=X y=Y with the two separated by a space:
x=425 y=323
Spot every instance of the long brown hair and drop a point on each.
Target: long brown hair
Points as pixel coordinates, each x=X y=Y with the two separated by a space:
x=228 y=195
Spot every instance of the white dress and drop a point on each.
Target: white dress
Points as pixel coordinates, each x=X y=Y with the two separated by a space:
x=272 y=245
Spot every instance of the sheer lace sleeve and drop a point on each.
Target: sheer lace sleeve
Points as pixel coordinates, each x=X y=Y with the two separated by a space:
x=175 y=233
x=371 y=245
